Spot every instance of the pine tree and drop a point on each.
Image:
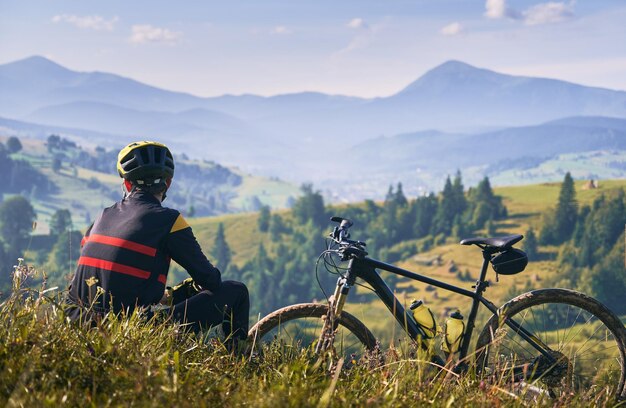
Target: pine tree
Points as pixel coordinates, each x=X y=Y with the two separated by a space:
x=529 y=245
x=258 y=277
x=400 y=198
x=14 y=145
x=221 y=250
x=425 y=210
x=310 y=206
x=459 y=228
x=263 y=221
x=390 y=196
x=608 y=280
x=277 y=226
x=405 y=222
x=446 y=210
x=371 y=209
x=460 y=202
x=60 y=222
x=484 y=205
x=547 y=235
x=16 y=222
x=566 y=210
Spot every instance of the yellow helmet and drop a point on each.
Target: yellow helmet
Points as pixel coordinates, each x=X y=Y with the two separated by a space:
x=145 y=160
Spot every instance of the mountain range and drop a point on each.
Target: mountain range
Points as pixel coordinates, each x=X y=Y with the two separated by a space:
x=454 y=115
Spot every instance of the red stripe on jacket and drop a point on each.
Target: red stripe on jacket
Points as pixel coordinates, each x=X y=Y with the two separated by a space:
x=113 y=267
x=121 y=243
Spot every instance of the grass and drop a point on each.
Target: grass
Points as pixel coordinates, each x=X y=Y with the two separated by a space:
x=272 y=192
x=47 y=361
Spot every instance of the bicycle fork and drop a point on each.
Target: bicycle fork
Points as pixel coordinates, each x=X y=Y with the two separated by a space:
x=335 y=307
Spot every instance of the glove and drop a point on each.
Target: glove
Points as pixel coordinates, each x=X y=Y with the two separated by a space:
x=184 y=291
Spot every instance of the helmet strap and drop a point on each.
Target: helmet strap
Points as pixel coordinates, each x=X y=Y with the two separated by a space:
x=127 y=188
x=168 y=183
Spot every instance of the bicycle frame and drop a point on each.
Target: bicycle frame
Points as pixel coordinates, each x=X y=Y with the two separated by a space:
x=366 y=269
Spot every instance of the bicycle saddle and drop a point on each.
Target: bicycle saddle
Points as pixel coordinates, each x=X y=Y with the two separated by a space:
x=497 y=242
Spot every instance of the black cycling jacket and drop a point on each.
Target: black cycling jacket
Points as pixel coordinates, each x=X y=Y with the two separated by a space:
x=126 y=253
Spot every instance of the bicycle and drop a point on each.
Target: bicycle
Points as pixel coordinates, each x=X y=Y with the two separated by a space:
x=559 y=340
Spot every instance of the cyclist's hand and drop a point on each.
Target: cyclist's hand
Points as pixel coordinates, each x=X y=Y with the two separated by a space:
x=185 y=290
x=167 y=297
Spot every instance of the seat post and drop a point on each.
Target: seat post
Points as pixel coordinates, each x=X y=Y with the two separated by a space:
x=483 y=271
x=480 y=287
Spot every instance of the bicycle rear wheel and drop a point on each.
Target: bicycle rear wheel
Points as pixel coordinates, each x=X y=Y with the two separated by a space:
x=585 y=338
x=296 y=328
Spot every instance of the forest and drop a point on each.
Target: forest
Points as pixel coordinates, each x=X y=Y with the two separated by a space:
x=395 y=229
x=588 y=238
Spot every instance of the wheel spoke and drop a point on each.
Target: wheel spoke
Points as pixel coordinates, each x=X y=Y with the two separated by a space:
x=586 y=350
x=300 y=326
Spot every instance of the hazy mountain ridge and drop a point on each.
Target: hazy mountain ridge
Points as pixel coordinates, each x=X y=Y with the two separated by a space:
x=43 y=82
x=568 y=135
x=292 y=135
x=114 y=119
x=425 y=158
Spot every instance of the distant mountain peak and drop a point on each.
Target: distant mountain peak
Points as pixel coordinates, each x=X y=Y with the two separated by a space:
x=34 y=67
x=450 y=72
x=36 y=61
x=453 y=66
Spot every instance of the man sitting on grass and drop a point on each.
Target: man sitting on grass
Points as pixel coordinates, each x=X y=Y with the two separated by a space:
x=126 y=253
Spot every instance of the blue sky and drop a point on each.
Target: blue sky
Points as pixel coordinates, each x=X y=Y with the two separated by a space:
x=363 y=48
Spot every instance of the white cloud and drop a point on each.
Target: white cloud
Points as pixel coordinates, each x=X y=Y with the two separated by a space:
x=145 y=33
x=452 y=29
x=495 y=9
x=357 y=23
x=281 y=30
x=542 y=13
x=552 y=12
x=86 y=22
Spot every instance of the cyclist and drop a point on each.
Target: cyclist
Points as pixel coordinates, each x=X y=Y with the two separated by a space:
x=126 y=252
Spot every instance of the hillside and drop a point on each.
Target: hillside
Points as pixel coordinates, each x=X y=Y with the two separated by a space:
x=131 y=362
x=526 y=206
x=85 y=182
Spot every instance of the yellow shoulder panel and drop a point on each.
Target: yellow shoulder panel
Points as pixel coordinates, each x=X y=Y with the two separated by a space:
x=179 y=224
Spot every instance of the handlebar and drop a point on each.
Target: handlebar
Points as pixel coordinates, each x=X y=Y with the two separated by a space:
x=347 y=247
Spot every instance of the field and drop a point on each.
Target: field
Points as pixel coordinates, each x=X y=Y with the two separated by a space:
x=526 y=205
x=45 y=361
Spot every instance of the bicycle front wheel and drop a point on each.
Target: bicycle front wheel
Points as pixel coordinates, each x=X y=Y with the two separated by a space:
x=296 y=328
x=586 y=340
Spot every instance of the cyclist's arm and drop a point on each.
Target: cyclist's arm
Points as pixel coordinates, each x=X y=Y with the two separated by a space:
x=183 y=247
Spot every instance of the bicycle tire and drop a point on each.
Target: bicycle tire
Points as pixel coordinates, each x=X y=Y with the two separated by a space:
x=264 y=332
x=582 y=372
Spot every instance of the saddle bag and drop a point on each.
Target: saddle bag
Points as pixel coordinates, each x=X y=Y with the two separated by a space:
x=510 y=262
